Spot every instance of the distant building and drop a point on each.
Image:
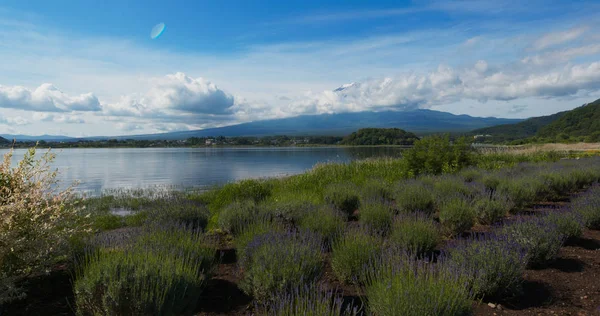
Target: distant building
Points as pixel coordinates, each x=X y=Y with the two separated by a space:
x=209 y=142
x=481 y=136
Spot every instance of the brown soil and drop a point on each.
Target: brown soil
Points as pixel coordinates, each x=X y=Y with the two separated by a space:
x=568 y=286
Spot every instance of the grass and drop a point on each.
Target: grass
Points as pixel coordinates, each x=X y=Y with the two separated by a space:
x=308 y=300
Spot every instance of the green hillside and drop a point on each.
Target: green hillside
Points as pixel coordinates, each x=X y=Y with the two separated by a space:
x=579 y=124
x=380 y=136
x=4 y=141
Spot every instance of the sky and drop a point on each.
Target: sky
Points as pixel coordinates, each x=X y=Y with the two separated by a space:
x=90 y=68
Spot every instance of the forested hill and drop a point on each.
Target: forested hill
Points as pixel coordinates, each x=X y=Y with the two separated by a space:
x=580 y=124
x=4 y=141
x=380 y=136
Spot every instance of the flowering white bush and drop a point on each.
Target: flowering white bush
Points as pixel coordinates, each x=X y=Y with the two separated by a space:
x=37 y=220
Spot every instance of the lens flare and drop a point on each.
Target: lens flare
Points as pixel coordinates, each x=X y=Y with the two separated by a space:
x=157 y=30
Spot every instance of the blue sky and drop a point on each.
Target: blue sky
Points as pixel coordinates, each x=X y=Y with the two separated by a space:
x=84 y=68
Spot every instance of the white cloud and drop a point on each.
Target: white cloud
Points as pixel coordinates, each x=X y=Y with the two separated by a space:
x=58 y=118
x=46 y=98
x=174 y=94
x=556 y=38
x=562 y=56
x=128 y=127
x=14 y=121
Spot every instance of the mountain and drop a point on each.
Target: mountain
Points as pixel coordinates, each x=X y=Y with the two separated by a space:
x=582 y=123
x=521 y=130
x=4 y=141
x=579 y=124
x=418 y=121
x=48 y=138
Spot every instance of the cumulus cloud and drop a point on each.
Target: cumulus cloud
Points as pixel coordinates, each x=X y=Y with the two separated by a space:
x=557 y=38
x=128 y=127
x=46 y=98
x=448 y=85
x=58 y=118
x=14 y=121
x=172 y=95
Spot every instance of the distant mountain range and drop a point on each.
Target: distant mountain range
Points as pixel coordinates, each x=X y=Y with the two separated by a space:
x=579 y=124
x=417 y=121
x=27 y=138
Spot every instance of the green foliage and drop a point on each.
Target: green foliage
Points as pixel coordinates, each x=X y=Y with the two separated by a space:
x=308 y=300
x=568 y=223
x=416 y=233
x=255 y=190
x=376 y=217
x=343 y=196
x=413 y=196
x=492 y=209
x=437 y=155
x=587 y=206
x=579 y=122
x=327 y=222
x=286 y=211
x=163 y=273
x=276 y=262
x=399 y=285
x=457 y=215
x=538 y=237
x=248 y=233
x=495 y=266
x=108 y=222
x=238 y=215
x=376 y=190
x=351 y=253
x=380 y=136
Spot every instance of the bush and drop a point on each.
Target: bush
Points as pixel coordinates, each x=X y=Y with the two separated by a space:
x=522 y=191
x=448 y=187
x=308 y=300
x=495 y=265
x=416 y=233
x=413 y=196
x=237 y=216
x=286 y=211
x=436 y=155
x=539 y=238
x=376 y=217
x=179 y=210
x=107 y=222
x=37 y=220
x=492 y=208
x=457 y=215
x=327 y=222
x=376 y=190
x=250 y=232
x=163 y=273
x=568 y=223
x=399 y=285
x=351 y=253
x=343 y=197
x=587 y=206
x=276 y=262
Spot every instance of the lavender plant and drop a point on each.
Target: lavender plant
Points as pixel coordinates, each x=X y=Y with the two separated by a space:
x=494 y=264
x=378 y=217
x=350 y=254
x=277 y=261
x=492 y=207
x=539 y=238
x=412 y=196
x=235 y=217
x=308 y=300
x=325 y=221
x=344 y=197
x=587 y=205
x=162 y=273
x=457 y=215
x=416 y=233
x=396 y=284
x=568 y=223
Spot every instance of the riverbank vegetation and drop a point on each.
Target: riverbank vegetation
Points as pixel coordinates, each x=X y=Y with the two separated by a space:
x=404 y=236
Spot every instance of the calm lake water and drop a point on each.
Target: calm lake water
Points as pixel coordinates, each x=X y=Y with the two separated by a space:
x=107 y=168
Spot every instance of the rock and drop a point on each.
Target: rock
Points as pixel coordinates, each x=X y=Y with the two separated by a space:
x=499 y=307
x=492 y=305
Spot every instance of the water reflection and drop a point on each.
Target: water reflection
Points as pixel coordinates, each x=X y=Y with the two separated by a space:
x=102 y=168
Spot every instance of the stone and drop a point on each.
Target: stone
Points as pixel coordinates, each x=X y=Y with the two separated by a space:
x=492 y=305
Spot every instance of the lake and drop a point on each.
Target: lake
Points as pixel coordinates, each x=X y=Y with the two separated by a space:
x=98 y=169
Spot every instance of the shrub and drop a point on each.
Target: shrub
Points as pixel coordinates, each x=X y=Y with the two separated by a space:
x=286 y=211
x=416 y=233
x=448 y=187
x=163 y=273
x=492 y=208
x=37 y=220
x=436 y=155
x=179 y=210
x=398 y=285
x=568 y=223
x=495 y=265
x=238 y=215
x=470 y=174
x=412 y=196
x=522 y=191
x=343 y=197
x=325 y=221
x=250 y=232
x=377 y=217
x=587 y=205
x=351 y=253
x=376 y=190
x=308 y=300
x=539 y=238
x=107 y=222
x=457 y=215
x=255 y=190
x=276 y=262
